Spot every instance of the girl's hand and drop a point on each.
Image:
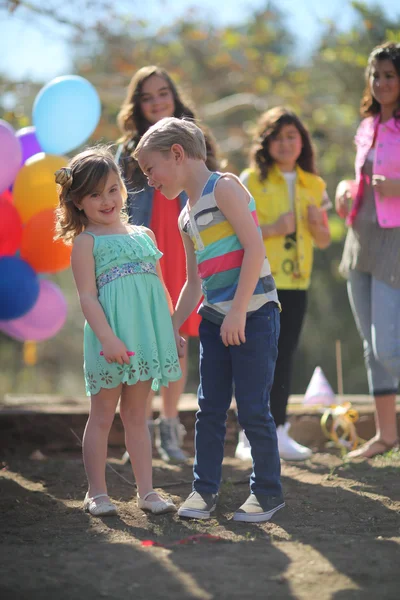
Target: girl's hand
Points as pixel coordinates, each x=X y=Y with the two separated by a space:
x=233 y=327
x=180 y=344
x=385 y=187
x=343 y=198
x=314 y=218
x=114 y=350
x=286 y=224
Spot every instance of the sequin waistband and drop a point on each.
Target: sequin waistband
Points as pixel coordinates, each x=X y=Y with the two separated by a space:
x=134 y=268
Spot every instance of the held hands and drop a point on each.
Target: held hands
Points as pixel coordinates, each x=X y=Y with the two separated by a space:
x=385 y=187
x=232 y=328
x=114 y=350
x=180 y=344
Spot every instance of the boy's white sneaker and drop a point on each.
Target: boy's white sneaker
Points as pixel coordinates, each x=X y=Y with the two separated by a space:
x=288 y=448
x=243 y=450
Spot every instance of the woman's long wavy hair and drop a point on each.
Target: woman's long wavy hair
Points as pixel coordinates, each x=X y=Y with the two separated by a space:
x=387 y=51
x=133 y=124
x=86 y=172
x=268 y=127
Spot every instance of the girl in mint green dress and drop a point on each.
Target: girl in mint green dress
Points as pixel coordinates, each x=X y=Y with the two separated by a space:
x=129 y=341
x=134 y=302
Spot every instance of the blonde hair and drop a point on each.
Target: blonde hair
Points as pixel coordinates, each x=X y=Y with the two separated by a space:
x=169 y=131
x=85 y=173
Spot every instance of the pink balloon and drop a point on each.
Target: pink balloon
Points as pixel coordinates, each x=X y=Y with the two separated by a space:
x=44 y=320
x=10 y=155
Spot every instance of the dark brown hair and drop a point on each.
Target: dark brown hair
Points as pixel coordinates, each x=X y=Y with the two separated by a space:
x=268 y=127
x=86 y=172
x=387 y=51
x=133 y=124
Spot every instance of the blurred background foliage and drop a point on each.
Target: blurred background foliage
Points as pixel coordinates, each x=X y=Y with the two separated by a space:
x=230 y=74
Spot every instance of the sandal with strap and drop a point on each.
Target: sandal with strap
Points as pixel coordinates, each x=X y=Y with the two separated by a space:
x=366 y=451
x=157 y=507
x=104 y=508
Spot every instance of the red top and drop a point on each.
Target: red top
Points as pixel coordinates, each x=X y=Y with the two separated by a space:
x=164 y=224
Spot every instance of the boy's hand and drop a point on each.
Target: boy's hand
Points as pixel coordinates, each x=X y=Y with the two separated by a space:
x=232 y=328
x=114 y=350
x=180 y=344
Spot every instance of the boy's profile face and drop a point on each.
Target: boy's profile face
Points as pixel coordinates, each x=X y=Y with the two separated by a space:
x=161 y=170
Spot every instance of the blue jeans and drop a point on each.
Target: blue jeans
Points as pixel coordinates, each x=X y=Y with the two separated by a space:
x=376 y=311
x=250 y=367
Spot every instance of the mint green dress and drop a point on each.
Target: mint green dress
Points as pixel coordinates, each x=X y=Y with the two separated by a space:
x=134 y=302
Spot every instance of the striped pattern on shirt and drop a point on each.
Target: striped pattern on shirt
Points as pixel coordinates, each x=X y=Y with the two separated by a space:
x=219 y=256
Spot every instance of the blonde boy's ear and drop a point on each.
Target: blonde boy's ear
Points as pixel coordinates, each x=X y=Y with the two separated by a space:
x=178 y=152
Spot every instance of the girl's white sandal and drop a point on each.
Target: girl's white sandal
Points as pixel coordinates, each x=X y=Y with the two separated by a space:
x=102 y=509
x=157 y=507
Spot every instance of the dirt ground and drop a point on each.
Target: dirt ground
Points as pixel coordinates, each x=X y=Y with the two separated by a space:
x=338 y=537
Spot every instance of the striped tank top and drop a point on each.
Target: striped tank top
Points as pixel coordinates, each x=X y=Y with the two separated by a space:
x=219 y=256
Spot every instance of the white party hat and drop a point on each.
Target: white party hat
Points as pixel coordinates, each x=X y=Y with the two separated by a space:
x=319 y=391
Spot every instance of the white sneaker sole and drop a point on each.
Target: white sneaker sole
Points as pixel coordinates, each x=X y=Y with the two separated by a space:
x=190 y=513
x=256 y=517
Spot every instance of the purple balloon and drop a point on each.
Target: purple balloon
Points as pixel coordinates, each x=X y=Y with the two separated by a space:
x=10 y=155
x=29 y=144
x=44 y=320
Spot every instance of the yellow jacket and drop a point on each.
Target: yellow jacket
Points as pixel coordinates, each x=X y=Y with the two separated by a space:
x=291 y=256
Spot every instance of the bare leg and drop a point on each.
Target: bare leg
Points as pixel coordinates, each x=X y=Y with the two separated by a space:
x=168 y=430
x=169 y=408
x=137 y=436
x=171 y=394
x=386 y=429
x=95 y=438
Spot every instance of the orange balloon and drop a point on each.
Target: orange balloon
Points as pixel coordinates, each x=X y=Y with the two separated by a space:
x=34 y=188
x=38 y=247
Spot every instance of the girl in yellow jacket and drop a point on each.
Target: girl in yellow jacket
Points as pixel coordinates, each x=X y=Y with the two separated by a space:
x=291 y=204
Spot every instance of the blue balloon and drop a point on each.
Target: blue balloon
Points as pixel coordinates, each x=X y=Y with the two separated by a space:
x=65 y=113
x=19 y=287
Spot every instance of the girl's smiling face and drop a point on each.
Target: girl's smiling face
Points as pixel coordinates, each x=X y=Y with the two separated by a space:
x=156 y=99
x=104 y=204
x=384 y=83
x=285 y=147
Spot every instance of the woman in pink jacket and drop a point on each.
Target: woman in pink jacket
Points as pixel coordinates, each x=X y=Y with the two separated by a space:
x=371 y=257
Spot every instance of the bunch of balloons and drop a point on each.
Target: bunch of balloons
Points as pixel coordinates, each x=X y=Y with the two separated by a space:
x=65 y=113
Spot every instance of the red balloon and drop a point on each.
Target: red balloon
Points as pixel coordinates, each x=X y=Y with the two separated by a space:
x=38 y=247
x=7 y=195
x=10 y=229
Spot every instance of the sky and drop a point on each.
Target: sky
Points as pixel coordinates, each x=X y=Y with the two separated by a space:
x=42 y=53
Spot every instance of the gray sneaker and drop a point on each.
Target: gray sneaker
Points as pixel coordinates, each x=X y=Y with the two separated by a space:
x=258 y=509
x=169 y=438
x=198 y=506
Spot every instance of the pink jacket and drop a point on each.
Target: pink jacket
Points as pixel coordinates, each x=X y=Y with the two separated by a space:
x=386 y=162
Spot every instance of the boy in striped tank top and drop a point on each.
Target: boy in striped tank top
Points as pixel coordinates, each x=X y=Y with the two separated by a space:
x=239 y=330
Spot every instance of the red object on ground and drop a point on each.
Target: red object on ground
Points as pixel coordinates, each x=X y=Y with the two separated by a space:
x=192 y=539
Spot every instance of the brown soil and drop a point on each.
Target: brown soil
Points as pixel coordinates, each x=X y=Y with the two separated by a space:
x=338 y=537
